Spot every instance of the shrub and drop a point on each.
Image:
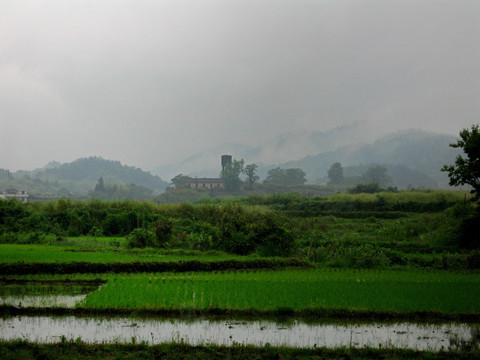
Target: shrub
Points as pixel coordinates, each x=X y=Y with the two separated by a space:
x=141 y=237
x=272 y=239
x=366 y=188
x=162 y=229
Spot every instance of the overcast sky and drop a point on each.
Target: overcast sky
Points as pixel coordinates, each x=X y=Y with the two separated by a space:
x=151 y=82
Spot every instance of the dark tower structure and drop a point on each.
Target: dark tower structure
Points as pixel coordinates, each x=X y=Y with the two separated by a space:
x=226 y=159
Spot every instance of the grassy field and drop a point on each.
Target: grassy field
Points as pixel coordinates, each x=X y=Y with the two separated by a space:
x=365 y=255
x=399 y=291
x=13 y=253
x=78 y=350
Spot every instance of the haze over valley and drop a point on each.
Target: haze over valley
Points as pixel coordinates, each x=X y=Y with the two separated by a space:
x=160 y=85
x=412 y=159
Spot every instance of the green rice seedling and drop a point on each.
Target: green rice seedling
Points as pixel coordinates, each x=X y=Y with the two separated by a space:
x=400 y=291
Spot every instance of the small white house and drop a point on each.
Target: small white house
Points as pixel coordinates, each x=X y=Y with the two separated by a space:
x=20 y=195
x=206 y=183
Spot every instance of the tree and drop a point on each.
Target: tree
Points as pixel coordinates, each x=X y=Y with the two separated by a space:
x=231 y=174
x=292 y=177
x=335 y=174
x=180 y=181
x=100 y=185
x=467 y=170
x=377 y=175
x=250 y=171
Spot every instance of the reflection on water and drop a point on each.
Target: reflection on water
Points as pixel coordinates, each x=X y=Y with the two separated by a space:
x=45 y=293
x=294 y=334
x=68 y=301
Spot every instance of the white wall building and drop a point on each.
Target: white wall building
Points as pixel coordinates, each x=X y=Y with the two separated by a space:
x=20 y=195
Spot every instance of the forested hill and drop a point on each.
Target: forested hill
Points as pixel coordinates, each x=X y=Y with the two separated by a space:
x=81 y=175
x=420 y=151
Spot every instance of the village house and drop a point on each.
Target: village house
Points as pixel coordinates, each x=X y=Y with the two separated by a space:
x=20 y=195
x=206 y=183
x=209 y=184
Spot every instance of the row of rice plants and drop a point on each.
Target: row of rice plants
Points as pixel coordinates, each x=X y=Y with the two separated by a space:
x=309 y=289
x=12 y=253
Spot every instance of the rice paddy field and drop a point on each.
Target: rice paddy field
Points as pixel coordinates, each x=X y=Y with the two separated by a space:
x=365 y=258
x=367 y=290
x=14 y=253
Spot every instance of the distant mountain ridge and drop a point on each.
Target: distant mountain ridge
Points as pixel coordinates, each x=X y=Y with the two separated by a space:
x=421 y=153
x=412 y=157
x=419 y=150
x=288 y=146
x=82 y=174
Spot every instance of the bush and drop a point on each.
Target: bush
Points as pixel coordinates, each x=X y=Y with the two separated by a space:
x=272 y=238
x=371 y=188
x=364 y=256
x=162 y=229
x=141 y=238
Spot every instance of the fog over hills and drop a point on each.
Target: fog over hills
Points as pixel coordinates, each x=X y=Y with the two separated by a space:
x=152 y=83
x=413 y=158
x=289 y=146
x=422 y=151
x=418 y=153
x=81 y=175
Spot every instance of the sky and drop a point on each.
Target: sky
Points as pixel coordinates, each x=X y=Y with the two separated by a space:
x=152 y=82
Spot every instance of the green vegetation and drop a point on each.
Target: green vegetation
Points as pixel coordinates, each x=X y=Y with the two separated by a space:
x=389 y=255
x=422 y=229
x=231 y=174
x=77 y=349
x=288 y=177
x=78 y=250
x=297 y=290
x=78 y=180
x=467 y=170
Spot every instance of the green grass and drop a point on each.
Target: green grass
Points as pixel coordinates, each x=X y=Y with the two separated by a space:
x=399 y=291
x=76 y=349
x=13 y=253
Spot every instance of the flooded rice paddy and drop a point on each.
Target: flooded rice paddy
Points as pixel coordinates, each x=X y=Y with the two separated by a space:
x=51 y=329
x=37 y=293
x=44 y=329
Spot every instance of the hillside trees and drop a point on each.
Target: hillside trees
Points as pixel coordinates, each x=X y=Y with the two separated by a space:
x=279 y=176
x=113 y=191
x=378 y=175
x=100 y=187
x=335 y=174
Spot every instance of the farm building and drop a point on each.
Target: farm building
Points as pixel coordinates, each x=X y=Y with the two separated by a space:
x=210 y=183
x=20 y=195
x=206 y=183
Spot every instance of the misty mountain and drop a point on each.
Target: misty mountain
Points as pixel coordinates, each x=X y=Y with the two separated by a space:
x=420 y=151
x=206 y=163
x=82 y=174
x=403 y=176
x=413 y=157
x=291 y=145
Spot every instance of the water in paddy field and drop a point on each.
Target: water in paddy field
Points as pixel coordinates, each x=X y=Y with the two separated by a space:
x=45 y=293
x=294 y=334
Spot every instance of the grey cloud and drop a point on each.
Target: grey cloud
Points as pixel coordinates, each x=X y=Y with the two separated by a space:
x=149 y=82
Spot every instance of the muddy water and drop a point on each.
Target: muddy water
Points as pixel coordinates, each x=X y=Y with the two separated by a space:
x=294 y=334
